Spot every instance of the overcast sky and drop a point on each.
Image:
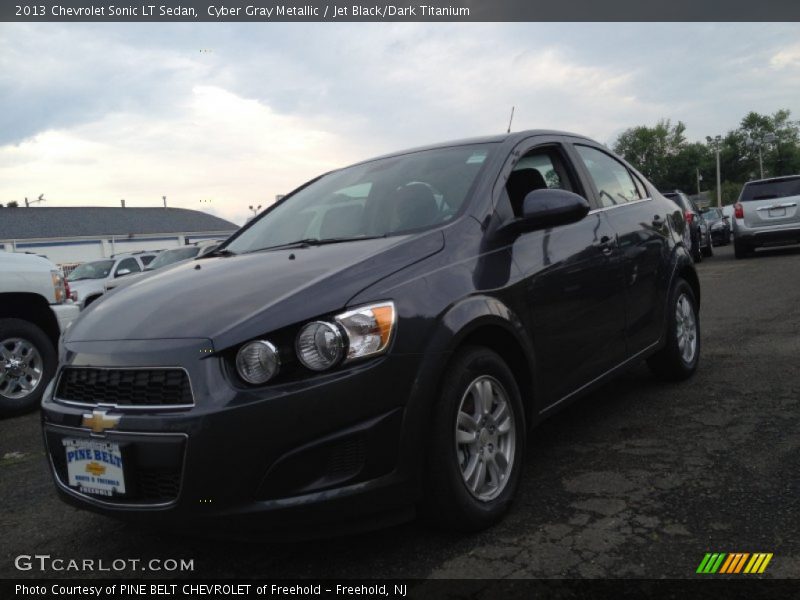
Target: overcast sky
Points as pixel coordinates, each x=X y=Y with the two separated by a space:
x=220 y=116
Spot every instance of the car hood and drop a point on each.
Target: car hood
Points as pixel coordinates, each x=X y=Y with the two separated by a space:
x=86 y=286
x=232 y=298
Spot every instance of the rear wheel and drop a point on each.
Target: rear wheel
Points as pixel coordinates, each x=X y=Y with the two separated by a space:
x=477 y=443
x=27 y=363
x=741 y=250
x=708 y=251
x=678 y=359
x=697 y=256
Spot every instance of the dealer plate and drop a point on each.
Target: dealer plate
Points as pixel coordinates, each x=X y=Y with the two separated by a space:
x=94 y=467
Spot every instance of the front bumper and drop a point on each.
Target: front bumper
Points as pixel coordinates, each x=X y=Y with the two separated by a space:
x=65 y=314
x=323 y=454
x=720 y=236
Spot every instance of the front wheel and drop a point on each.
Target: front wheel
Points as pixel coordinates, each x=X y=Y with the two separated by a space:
x=477 y=443
x=27 y=363
x=678 y=359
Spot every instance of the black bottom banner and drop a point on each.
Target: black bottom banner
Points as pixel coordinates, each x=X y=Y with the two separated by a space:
x=79 y=589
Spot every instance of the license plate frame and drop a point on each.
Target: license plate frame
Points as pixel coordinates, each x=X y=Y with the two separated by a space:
x=776 y=213
x=95 y=467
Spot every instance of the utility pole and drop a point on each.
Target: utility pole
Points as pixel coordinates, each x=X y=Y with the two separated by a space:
x=716 y=140
x=255 y=210
x=164 y=198
x=766 y=138
x=699 y=179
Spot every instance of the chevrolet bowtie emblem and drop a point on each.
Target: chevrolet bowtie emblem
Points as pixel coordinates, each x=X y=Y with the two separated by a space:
x=99 y=420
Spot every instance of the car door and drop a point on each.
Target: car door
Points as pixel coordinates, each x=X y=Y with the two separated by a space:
x=643 y=240
x=572 y=278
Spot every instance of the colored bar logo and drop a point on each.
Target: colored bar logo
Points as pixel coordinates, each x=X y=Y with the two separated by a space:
x=734 y=563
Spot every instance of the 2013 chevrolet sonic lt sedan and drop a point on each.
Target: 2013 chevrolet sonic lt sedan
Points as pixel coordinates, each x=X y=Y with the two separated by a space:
x=376 y=344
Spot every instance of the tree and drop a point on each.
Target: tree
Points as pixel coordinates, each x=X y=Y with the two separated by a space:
x=13 y=204
x=651 y=149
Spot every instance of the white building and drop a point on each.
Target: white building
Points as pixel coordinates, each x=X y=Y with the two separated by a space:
x=79 y=234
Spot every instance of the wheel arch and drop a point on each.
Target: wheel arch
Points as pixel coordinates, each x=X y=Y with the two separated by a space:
x=487 y=321
x=33 y=308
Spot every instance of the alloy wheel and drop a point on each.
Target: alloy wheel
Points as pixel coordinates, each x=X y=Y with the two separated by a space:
x=485 y=437
x=21 y=368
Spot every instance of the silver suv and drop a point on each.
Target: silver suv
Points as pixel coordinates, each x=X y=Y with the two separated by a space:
x=766 y=214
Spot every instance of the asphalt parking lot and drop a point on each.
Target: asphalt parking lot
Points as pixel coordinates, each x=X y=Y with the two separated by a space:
x=640 y=479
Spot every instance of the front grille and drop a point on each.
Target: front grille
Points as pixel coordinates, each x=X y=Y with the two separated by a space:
x=125 y=387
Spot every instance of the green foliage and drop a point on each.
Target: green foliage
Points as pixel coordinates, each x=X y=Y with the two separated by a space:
x=12 y=204
x=662 y=154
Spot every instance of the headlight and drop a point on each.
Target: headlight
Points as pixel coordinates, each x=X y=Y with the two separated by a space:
x=365 y=331
x=319 y=345
x=59 y=286
x=257 y=362
x=368 y=329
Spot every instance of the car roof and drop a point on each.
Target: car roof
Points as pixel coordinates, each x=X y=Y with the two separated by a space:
x=773 y=179
x=511 y=138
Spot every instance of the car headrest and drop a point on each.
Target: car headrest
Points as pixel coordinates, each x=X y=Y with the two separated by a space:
x=520 y=183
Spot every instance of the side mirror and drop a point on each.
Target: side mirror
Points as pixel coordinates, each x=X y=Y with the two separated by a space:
x=547 y=208
x=122 y=272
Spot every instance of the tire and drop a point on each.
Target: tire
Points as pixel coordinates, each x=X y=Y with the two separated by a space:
x=697 y=256
x=674 y=362
x=455 y=498
x=27 y=356
x=89 y=300
x=741 y=250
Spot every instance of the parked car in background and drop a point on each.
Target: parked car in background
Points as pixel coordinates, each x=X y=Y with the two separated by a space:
x=700 y=236
x=34 y=310
x=719 y=226
x=379 y=341
x=167 y=258
x=87 y=281
x=767 y=214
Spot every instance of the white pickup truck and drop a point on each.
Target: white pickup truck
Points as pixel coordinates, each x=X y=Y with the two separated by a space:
x=34 y=310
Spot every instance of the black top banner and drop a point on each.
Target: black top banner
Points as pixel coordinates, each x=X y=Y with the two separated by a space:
x=259 y=11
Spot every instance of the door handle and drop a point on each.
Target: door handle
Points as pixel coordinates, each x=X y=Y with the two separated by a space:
x=605 y=244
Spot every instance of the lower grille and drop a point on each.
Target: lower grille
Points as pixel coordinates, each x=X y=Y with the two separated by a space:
x=125 y=387
x=152 y=468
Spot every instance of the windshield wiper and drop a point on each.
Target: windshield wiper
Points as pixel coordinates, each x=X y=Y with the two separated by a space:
x=219 y=252
x=317 y=242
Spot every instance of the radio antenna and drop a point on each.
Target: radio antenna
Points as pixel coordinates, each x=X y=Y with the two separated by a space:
x=511 y=119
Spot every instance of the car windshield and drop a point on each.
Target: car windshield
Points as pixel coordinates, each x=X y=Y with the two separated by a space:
x=98 y=269
x=713 y=213
x=379 y=198
x=172 y=256
x=769 y=190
